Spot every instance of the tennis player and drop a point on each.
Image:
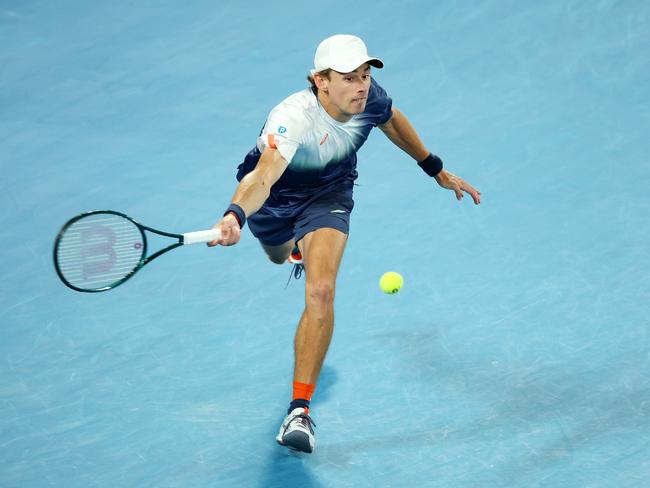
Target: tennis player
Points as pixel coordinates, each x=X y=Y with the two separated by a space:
x=295 y=189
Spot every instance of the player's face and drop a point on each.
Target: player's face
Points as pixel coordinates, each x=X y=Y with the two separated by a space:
x=347 y=93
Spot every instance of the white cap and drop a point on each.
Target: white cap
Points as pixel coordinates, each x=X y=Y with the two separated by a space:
x=343 y=53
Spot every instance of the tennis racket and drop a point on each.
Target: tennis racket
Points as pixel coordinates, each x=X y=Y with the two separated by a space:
x=99 y=250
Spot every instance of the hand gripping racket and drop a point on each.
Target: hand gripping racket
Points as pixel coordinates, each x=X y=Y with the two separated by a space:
x=97 y=251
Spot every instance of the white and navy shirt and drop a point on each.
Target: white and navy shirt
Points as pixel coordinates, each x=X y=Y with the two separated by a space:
x=321 y=151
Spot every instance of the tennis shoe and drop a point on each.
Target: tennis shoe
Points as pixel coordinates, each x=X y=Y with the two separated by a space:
x=295 y=258
x=297 y=431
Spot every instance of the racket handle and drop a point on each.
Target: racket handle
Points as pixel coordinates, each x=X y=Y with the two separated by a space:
x=201 y=236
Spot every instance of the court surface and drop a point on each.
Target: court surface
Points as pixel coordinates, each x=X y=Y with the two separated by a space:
x=517 y=353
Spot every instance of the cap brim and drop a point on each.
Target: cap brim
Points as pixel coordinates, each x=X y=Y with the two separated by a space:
x=352 y=65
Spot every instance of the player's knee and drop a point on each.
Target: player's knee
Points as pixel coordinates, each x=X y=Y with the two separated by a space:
x=320 y=293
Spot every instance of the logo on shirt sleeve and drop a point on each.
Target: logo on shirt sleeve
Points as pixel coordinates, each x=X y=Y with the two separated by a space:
x=282 y=130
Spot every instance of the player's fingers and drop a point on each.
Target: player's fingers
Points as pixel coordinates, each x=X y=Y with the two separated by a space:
x=215 y=242
x=225 y=238
x=230 y=236
x=222 y=241
x=474 y=193
x=458 y=191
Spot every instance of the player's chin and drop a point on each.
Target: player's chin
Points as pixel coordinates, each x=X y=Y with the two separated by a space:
x=357 y=106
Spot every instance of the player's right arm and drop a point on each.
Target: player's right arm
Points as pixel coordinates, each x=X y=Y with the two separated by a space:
x=251 y=193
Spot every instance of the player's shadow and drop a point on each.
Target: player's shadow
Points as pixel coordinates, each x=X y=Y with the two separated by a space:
x=327 y=379
x=287 y=469
x=567 y=408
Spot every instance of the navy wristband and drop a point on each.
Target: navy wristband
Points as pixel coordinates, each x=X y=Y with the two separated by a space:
x=238 y=212
x=432 y=165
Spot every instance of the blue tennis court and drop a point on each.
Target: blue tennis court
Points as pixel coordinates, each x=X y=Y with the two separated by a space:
x=516 y=355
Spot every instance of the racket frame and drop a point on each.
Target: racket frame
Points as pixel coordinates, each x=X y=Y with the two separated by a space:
x=144 y=260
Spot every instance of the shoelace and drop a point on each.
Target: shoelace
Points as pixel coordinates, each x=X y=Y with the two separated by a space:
x=305 y=420
x=296 y=273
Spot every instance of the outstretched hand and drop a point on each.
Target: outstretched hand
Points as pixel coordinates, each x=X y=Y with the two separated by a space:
x=230 y=231
x=452 y=182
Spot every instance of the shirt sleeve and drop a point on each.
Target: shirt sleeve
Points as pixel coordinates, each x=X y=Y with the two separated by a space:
x=283 y=131
x=379 y=103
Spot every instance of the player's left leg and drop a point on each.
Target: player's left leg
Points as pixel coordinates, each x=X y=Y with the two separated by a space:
x=275 y=234
x=279 y=254
x=322 y=251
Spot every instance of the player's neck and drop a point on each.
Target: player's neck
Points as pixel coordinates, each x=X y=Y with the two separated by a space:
x=331 y=109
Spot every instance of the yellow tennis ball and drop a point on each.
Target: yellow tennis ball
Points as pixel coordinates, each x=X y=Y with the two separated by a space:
x=391 y=282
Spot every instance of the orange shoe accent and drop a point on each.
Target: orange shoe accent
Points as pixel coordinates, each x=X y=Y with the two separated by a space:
x=303 y=390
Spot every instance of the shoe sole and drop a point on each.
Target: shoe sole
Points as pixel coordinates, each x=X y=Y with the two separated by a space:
x=296 y=441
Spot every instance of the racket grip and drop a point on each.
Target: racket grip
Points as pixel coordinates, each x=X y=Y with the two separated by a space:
x=201 y=236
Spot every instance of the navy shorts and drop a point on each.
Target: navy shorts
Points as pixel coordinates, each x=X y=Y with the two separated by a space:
x=331 y=210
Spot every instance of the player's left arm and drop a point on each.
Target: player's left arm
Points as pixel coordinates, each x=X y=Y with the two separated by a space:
x=401 y=133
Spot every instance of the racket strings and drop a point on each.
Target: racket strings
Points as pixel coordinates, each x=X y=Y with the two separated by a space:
x=100 y=250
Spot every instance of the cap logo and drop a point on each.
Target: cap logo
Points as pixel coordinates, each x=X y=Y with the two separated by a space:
x=282 y=130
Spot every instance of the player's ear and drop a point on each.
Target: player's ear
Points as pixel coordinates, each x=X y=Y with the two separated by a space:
x=321 y=82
